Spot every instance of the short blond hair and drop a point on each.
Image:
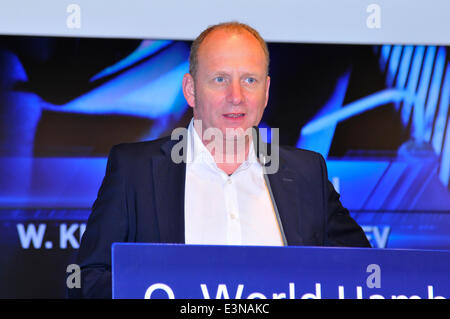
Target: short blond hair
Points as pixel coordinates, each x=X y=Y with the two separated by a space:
x=231 y=26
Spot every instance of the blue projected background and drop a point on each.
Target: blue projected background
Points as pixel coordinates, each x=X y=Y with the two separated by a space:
x=378 y=114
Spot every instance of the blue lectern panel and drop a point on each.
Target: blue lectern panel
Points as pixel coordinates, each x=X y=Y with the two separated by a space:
x=242 y=272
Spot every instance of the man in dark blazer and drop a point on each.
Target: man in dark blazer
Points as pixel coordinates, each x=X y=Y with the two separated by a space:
x=142 y=197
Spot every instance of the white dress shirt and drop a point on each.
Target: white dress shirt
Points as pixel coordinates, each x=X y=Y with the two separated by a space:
x=226 y=210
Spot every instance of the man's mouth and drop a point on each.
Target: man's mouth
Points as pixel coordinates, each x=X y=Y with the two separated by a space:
x=234 y=115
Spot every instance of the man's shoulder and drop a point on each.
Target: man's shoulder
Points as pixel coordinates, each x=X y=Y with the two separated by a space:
x=143 y=149
x=304 y=162
x=291 y=153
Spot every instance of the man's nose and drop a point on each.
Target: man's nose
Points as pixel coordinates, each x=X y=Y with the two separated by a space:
x=235 y=95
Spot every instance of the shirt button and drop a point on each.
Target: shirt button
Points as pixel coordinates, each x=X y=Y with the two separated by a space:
x=233 y=216
x=229 y=181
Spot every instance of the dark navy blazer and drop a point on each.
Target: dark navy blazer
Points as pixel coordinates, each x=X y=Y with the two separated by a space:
x=141 y=199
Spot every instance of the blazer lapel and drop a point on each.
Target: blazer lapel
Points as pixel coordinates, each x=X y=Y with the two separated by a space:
x=286 y=195
x=283 y=184
x=169 y=185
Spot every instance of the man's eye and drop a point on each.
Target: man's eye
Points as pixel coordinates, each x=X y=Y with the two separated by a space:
x=219 y=79
x=250 y=80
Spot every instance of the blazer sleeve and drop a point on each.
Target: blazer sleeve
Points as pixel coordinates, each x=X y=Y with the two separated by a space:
x=340 y=228
x=107 y=223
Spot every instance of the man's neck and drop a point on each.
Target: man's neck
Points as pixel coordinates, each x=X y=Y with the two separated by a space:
x=228 y=154
x=230 y=167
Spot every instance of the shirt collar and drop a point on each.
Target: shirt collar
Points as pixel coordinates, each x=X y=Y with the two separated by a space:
x=198 y=153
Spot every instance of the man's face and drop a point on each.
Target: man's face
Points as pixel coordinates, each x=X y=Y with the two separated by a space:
x=231 y=87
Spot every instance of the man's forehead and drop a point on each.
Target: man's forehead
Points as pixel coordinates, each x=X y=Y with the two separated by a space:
x=223 y=42
x=220 y=35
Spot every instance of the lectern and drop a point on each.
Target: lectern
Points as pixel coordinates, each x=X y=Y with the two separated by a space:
x=172 y=271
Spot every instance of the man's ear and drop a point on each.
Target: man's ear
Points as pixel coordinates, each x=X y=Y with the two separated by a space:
x=189 y=89
x=267 y=90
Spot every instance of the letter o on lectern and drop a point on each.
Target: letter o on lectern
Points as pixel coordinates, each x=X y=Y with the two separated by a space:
x=152 y=288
